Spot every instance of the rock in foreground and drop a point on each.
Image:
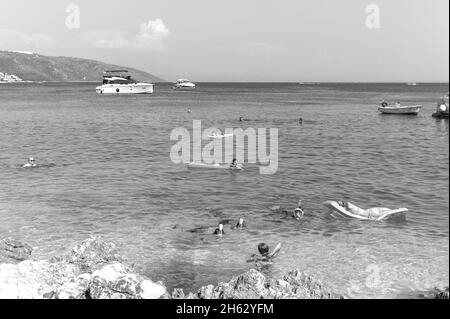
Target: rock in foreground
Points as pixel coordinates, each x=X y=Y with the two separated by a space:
x=89 y=271
x=94 y=270
x=254 y=285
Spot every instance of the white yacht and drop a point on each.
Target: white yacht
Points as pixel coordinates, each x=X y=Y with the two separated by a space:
x=184 y=84
x=119 y=82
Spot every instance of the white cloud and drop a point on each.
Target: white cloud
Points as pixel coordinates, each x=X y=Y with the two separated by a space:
x=12 y=39
x=150 y=37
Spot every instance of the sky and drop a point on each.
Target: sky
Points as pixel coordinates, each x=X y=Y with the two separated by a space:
x=242 y=40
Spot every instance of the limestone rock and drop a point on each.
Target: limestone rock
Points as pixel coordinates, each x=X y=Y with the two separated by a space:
x=114 y=281
x=13 y=251
x=76 y=288
x=92 y=254
x=151 y=290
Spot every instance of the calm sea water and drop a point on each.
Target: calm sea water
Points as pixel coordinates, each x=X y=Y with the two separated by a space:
x=112 y=176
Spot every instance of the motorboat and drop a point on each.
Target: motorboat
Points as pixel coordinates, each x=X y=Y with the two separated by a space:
x=399 y=109
x=184 y=84
x=442 y=110
x=119 y=82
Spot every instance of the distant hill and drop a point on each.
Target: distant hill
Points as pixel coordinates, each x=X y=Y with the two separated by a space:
x=34 y=67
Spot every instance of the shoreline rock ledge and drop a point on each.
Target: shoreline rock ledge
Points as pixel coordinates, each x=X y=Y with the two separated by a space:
x=91 y=270
x=94 y=270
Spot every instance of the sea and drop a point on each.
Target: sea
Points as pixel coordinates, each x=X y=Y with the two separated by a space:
x=105 y=169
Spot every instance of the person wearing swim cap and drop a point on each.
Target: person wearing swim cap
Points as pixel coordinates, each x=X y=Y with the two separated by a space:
x=298 y=212
x=31 y=163
x=219 y=231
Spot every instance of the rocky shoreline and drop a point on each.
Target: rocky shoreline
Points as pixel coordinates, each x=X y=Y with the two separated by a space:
x=94 y=270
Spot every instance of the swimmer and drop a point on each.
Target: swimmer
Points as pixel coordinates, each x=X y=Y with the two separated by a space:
x=300 y=121
x=189 y=111
x=219 y=231
x=265 y=254
x=299 y=213
x=234 y=164
x=241 y=224
x=31 y=163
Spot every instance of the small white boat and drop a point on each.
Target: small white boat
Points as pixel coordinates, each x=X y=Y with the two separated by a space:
x=119 y=82
x=412 y=84
x=214 y=167
x=401 y=110
x=184 y=84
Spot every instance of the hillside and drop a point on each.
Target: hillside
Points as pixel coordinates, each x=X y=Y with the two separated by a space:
x=35 y=67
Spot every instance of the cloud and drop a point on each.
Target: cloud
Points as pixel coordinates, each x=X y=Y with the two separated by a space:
x=150 y=37
x=12 y=39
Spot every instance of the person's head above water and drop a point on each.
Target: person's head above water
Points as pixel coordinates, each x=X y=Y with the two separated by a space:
x=241 y=223
x=219 y=231
x=263 y=249
x=31 y=160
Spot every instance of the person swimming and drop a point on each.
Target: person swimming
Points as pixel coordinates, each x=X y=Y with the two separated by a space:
x=31 y=163
x=300 y=121
x=372 y=213
x=264 y=253
x=298 y=213
x=241 y=224
x=234 y=164
x=219 y=231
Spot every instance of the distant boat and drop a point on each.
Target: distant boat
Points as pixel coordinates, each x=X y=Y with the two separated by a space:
x=184 y=84
x=119 y=82
x=400 y=110
x=412 y=84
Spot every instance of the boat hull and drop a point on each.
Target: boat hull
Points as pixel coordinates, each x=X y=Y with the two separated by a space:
x=402 y=110
x=139 y=88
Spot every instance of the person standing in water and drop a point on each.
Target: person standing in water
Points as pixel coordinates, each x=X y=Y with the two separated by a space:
x=31 y=163
x=219 y=231
x=241 y=224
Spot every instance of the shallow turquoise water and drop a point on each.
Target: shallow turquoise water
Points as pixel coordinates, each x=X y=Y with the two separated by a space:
x=113 y=177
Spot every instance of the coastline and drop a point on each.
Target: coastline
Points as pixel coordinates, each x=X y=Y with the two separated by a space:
x=94 y=270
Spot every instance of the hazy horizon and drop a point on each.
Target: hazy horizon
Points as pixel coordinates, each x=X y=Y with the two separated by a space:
x=253 y=41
